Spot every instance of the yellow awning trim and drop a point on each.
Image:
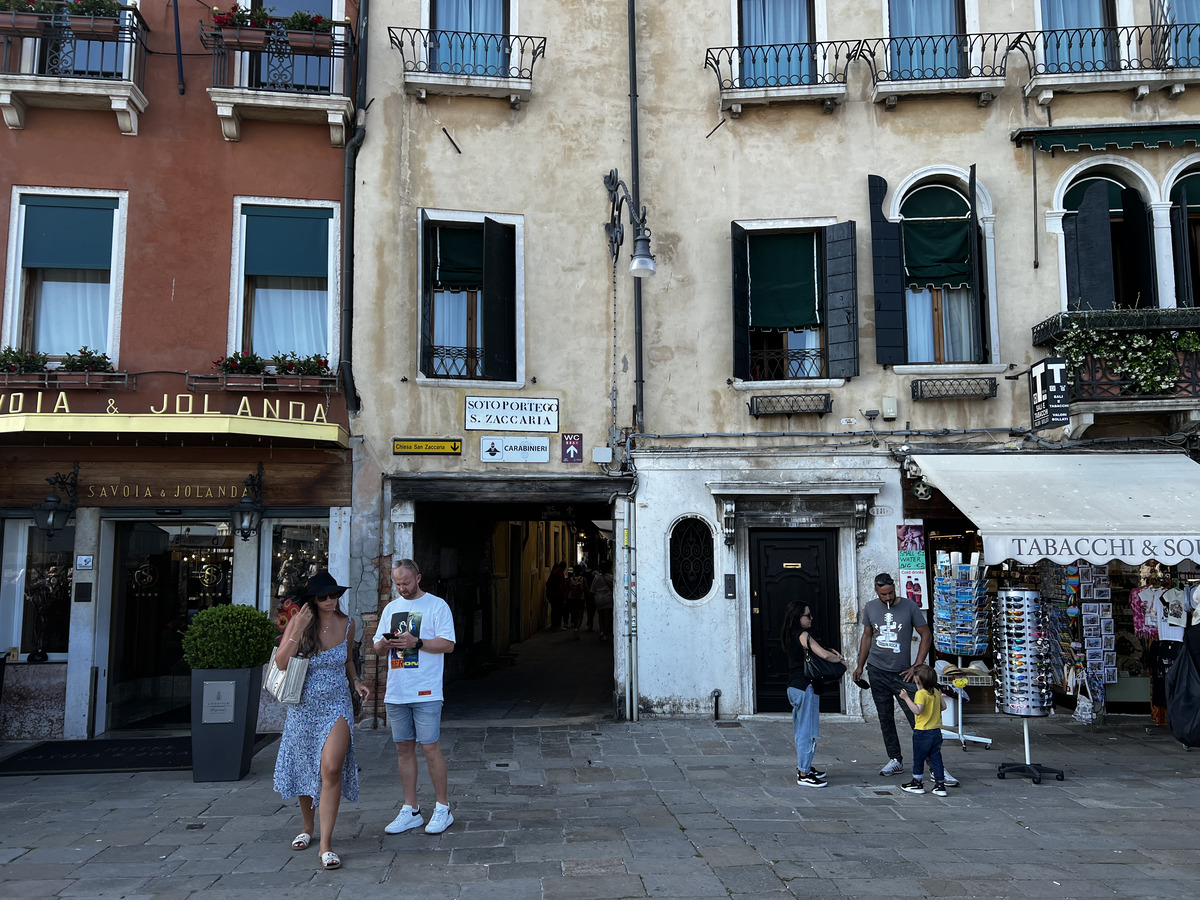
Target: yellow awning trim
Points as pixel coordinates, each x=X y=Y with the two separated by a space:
x=146 y=423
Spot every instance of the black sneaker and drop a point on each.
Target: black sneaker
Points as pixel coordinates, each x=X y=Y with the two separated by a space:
x=817 y=773
x=916 y=786
x=807 y=779
x=939 y=789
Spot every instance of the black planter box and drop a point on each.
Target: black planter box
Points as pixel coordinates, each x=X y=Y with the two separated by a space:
x=221 y=750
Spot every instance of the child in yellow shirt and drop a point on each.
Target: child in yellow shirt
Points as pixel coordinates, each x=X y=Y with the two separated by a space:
x=927 y=709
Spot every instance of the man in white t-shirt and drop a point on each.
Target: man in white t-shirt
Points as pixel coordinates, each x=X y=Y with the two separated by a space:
x=416 y=632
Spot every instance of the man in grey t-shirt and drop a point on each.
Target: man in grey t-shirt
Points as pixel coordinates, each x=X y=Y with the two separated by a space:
x=886 y=649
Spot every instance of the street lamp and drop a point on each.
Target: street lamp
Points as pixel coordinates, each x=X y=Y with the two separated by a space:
x=246 y=517
x=51 y=515
x=641 y=263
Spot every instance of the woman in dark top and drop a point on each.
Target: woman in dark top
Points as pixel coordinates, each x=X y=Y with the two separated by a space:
x=797 y=639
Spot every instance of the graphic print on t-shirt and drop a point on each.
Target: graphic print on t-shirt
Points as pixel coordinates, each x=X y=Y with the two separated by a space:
x=886 y=634
x=406 y=622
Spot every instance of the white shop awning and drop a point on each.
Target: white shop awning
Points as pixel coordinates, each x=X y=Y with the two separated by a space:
x=1068 y=506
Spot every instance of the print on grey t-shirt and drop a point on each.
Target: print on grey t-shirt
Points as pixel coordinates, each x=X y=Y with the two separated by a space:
x=891 y=633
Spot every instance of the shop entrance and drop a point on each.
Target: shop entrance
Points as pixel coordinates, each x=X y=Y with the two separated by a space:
x=786 y=565
x=163 y=575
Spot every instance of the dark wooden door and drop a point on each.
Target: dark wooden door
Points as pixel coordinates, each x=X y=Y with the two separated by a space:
x=787 y=565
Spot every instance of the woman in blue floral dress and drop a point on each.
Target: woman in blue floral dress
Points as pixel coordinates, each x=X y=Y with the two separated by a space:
x=316 y=755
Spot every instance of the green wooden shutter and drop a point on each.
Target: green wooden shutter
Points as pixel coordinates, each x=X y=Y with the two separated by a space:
x=888 y=267
x=1183 y=249
x=63 y=232
x=428 y=266
x=1087 y=237
x=287 y=240
x=499 y=301
x=840 y=272
x=741 y=301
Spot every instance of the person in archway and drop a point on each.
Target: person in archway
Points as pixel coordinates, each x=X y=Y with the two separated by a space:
x=602 y=594
x=577 y=597
x=316 y=753
x=556 y=594
x=416 y=632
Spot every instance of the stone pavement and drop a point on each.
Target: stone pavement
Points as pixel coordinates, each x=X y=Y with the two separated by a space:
x=659 y=808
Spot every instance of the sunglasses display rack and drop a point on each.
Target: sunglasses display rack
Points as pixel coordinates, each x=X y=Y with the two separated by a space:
x=1023 y=660
x=960 y=610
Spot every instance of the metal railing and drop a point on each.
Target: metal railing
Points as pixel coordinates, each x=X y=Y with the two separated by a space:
x=454 y=362
x=790 y=405
x=780 y=365
x=1097 y=379
x=942 y=56
x=467 y=53
x=780 y=65
x=959 y=57
x=1049 y=330
x=278 y=60
x=953 y=388
x=59 y=45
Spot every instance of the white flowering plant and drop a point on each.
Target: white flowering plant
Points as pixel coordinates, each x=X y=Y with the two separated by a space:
x=1148 y=361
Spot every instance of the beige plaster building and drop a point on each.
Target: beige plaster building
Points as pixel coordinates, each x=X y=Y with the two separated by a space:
x=868 y=222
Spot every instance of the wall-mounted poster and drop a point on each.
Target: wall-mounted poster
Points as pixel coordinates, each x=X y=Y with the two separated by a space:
x=910 y=547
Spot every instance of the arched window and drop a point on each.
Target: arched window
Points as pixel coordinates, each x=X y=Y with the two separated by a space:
x=1107 y=235
x=691 y=561
x=1185 y=234
x=943 y=281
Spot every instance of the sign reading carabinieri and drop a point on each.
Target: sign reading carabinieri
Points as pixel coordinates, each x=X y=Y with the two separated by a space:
x=512 y=414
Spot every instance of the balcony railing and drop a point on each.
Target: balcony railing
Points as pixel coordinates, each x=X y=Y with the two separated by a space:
x=278 y=60
x=937 y=57
x=464 y=63
x=60 y=45
x=1050 y=330
x=781 y=365
x=454 y=362
x=780 y=65
x=1097 y=379
x=54 y=59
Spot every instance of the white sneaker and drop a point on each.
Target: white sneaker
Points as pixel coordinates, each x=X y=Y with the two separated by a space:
x=949 y=779
x=893 y=767
x=440 y=820
x=408 y=819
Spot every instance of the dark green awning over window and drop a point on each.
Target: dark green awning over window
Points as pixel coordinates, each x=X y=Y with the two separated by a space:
x=287 y=240
x=937 y=253
x=62 y=232
x=783 y=280
x=458 y=258
x=1123 y=136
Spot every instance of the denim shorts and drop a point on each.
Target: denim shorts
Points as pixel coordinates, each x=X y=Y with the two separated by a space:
x=421 y=722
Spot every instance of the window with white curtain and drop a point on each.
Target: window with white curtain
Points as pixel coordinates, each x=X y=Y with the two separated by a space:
x=472 y=296
x=776 y=40
x=286 y=260
x=1080 y=36
x=467 y=37
x=943 y=313
x=64 y=298
x=926 y=41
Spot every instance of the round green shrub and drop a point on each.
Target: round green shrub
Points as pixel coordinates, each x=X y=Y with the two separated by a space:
x=229 y=636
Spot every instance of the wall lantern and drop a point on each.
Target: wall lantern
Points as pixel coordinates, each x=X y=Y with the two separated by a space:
x=246 y=517
x=51 y=515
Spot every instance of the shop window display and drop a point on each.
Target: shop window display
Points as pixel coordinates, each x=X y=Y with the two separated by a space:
x=297 y=552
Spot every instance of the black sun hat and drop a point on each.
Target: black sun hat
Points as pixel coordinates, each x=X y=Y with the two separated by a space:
x=323 y=584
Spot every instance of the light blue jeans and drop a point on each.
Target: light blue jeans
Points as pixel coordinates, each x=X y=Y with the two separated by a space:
x=806 y=724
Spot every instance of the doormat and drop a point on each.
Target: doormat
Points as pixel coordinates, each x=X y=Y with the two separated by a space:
x=164 y=754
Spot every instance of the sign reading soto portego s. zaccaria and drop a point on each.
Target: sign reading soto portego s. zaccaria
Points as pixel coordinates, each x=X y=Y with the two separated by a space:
x=511 y=414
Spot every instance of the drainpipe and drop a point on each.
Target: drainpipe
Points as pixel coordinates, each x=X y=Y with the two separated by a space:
x=632 y=706
x=352 y=147
x=716 y=699
x=178 y=49
x=635 y=190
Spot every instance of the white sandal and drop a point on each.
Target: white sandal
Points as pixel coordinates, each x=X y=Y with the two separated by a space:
x=329 y=860
x=301 y=841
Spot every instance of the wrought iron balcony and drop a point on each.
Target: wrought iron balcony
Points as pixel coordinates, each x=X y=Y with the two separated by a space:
x=54 y=59
x=1097 y=380
x=465 y=63
x=1183 y=319
x=1143 y=57
x=781 y=365
x=280 y=75
x=773 y=73
x=938 y=64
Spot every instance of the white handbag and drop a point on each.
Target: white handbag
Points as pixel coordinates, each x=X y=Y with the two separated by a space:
x=285 y=685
